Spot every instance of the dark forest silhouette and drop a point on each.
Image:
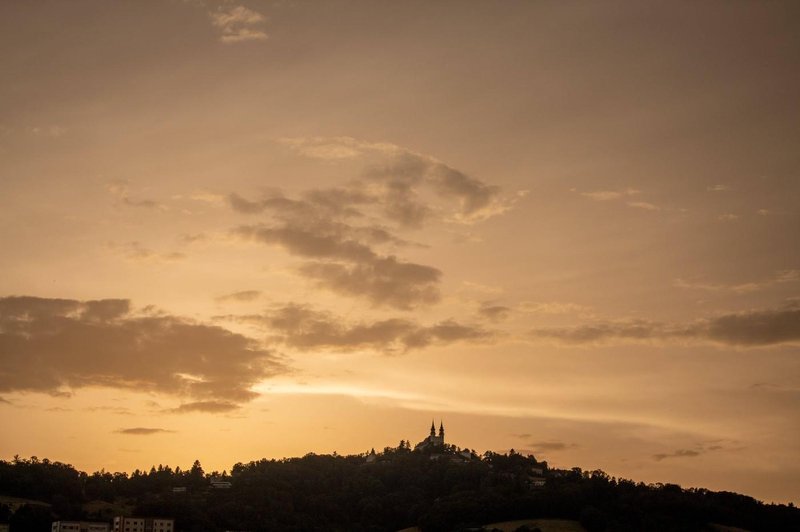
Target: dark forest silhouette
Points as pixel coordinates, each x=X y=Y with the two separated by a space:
x=442 y=489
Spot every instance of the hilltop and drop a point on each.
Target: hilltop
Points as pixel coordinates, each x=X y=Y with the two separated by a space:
x=439 y=488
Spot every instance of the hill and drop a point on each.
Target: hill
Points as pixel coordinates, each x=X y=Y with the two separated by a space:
x=440 y=489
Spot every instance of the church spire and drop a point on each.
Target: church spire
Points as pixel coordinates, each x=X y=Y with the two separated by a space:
x=441 y=429
x=433 y=428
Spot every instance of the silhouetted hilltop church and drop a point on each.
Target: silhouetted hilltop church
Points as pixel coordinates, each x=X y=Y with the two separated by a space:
x=432 y=441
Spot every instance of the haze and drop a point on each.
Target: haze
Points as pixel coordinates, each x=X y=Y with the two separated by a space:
x=233 y=230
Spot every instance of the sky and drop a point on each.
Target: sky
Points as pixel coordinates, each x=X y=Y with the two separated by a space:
x=234 y=230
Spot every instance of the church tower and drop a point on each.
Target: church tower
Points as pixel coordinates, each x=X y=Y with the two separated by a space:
x=432 y=441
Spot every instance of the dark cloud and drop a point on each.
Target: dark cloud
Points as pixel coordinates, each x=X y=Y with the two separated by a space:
x=746 y=329
x=472 y=194
x=551 y=446
x=316 y=242
x=494 y=312
x=304 y=328
x=352 y=267
x=54 y=345
x=329 y=203
x=405 y=172
x=383 y=281
x=142 y=431
x=212 y=407
x=680 y=453
x=346 y=260
x=5 y=401
x=406 y=210
x=321 y=223
x=754 y=328
x=599 y=332
x=399 y=199
x=244 y=295
x=340 y=202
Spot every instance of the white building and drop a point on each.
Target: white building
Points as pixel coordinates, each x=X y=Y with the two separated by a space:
x=143 y=524
x=79 y=526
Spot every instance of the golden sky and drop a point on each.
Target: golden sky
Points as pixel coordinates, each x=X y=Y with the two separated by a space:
x=233 y=230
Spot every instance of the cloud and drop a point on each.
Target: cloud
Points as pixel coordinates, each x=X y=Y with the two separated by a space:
x=211 y=407
x=680 y=453
x=383 y=281
x=401 y=174
x=345 y=258
x=117 y=410
x=143 y=431
x=600 y=332
x=4 y=401
x=316 y=241
x=551 y=446
x=237 y=23
x=208 y=197
x=718 y=188
x=614 y=195
x=146 y=203
x=243 y=296
x=781 y=276
x=58 y=345
x=698 y=450
x=608 y=195
x=335 y=148
x=342 y=230
x=304 y=328
x=755 y=328
x=494 y=312
x=728 y=217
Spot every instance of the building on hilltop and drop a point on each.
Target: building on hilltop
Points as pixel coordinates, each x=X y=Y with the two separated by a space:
x=432 y=441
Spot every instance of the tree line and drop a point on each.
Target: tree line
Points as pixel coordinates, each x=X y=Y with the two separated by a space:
x=399 y=488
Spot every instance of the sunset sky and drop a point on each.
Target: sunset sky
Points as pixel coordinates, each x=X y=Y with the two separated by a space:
x=233 y=230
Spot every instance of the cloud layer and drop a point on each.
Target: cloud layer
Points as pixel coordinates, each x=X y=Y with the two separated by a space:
x=399 y=177
x=745 y=329
x=56 y=345
x=343 y=256
x=342 y=231
x=303 y=328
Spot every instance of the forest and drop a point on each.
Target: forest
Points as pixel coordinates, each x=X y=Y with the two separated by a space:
x=394 y=489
